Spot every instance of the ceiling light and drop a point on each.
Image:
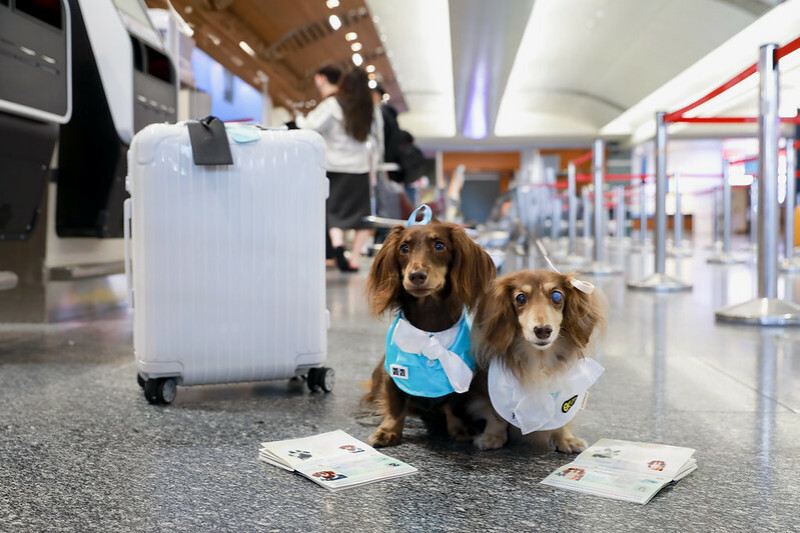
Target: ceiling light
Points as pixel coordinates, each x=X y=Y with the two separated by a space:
x=182 y=26
x=246 y=47
x=370 y=68
x=213 y=38
x=372 y=84
x=237 y=61
x=371 y=75
x=351 y=36
x=335 y=23
x=332 y=3
x=476 y=121
x=357 y=60
x=355 y=47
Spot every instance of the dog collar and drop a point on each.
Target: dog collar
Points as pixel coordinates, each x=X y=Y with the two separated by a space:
x=539 y=408
x=427 y=214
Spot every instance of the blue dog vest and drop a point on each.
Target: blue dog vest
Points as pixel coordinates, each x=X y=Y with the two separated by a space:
x=426 y=364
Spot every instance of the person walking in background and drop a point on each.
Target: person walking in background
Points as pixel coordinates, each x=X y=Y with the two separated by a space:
x=346 y=120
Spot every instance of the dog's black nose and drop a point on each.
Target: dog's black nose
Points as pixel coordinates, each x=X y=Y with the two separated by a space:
x=417 y=277
x=542 y=332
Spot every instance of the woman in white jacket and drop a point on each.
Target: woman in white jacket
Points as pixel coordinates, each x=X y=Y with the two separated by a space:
x=346 y=120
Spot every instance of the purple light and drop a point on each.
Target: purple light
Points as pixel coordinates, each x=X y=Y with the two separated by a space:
x=475 y=119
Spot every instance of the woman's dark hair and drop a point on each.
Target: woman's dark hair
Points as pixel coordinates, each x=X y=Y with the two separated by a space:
x=355 y=97
x=331 y=72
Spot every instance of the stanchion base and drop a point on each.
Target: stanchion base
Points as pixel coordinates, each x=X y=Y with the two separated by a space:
x=726 y=259
x=659 y=283
x=791 y=266
x=616 y=242
x=679 y=251
x=639 y=247
x=678 y=254
x=601 y=269
x=761 y=312
x=571 y=260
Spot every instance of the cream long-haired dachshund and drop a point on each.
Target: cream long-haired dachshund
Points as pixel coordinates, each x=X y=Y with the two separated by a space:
x=531 y=333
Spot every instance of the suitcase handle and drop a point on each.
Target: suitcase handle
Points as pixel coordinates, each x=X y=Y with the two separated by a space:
x=126 y=231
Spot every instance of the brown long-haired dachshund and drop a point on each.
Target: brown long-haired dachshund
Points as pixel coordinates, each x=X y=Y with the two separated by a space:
x=431 y=275
x=531 y=333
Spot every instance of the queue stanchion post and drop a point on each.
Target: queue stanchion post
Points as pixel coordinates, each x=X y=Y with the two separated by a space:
x=572 y=209
x=659 y=281
x=599 y=267
x=556 y=205
x=754 y=193
x=678 y=248
x=716 y=238
x=553 y=203
x=643 y=245
x=766 y=309
x=724 y=257
x=791 y=262
x=619 y=217
x=586 y=202
x=571 y=258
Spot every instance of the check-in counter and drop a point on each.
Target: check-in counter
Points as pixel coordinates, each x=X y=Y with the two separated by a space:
x=35 y=97
x=124 y=80
x=79 y=79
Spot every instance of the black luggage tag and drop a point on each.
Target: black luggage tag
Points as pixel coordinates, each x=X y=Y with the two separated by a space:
x=210 y=142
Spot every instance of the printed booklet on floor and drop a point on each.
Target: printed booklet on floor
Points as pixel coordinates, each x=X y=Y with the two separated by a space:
x=623 y=470
x=334 y=460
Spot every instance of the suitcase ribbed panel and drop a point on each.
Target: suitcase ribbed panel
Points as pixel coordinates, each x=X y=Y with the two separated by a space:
x=228 y=261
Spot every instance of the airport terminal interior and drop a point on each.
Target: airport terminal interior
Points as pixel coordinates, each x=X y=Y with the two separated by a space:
x=167 y=304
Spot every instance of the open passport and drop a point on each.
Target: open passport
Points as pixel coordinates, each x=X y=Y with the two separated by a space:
x=334 y=460
x=624 y=470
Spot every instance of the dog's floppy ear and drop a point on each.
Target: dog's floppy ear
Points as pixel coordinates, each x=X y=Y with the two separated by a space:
x=496 y=318
x=384 y=283
x=472 y=269
x=581 y=314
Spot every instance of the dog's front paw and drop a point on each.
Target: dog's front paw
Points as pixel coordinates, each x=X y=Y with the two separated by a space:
x=570 y=445
x=383 y=438
x=490 y=441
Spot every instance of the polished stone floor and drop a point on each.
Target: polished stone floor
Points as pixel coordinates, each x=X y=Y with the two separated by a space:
x=81 y=450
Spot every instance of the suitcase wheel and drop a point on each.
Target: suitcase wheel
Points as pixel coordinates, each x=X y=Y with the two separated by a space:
x=321 y=378
x=160 y=391
x=140 y=380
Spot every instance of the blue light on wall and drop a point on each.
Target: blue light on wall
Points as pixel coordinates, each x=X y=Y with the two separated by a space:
x=231 y=97
x=476 y=119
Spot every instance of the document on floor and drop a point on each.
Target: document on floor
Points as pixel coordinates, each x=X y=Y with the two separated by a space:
x=334 y=460
x=623 y=470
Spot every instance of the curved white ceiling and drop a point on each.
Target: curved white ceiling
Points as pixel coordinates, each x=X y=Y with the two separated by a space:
x=541 y=70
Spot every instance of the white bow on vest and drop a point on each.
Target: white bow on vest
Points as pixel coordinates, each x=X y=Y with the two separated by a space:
x=432 y=345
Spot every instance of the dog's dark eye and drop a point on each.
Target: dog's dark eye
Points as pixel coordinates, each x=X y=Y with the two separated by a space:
x=557 y=297
x=439 y=246
x=403 y=248
x=520 y=299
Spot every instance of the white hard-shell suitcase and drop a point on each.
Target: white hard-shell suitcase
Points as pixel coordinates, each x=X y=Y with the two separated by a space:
x=226 y=263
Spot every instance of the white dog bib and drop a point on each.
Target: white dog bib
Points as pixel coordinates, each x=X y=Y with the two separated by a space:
x=545 y=407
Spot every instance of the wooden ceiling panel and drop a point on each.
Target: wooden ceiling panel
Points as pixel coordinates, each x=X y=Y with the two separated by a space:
x=291 y=39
